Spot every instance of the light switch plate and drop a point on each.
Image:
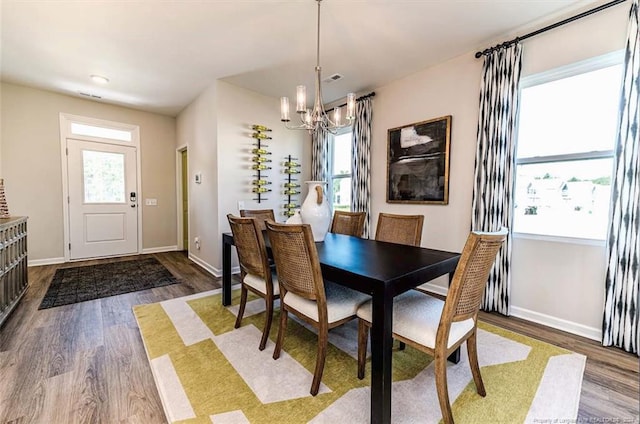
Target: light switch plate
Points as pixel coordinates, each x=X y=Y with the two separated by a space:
x=151 y=202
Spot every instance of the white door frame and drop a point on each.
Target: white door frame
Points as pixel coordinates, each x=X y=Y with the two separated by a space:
x=66 y=120
x=179 y=213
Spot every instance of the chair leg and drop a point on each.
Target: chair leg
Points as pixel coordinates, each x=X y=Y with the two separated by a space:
x=243 y=303
x=472 y=350
x=363 y=337
x=267 y=324
x=323 y=336
x=442 y=389
x=283 y=328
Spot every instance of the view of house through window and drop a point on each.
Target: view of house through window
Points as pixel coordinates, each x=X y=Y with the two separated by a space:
x=341 y=171
x=564 y=159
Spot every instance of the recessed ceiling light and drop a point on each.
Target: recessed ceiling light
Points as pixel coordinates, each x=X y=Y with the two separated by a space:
x=99 y=79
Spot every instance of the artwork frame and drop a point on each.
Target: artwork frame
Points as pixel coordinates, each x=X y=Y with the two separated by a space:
x=418 y=157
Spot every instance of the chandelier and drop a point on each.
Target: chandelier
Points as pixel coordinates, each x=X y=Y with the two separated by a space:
x=316 y=119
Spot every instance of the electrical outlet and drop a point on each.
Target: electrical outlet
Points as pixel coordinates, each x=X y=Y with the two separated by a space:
x=196 y=241
x=240 y=205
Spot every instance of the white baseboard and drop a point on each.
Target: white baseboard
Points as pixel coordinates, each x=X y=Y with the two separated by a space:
x=54 y=261
x=210 y=268
x=539 y=318
x=47 y=261
x=160 y=249
x=557 y=323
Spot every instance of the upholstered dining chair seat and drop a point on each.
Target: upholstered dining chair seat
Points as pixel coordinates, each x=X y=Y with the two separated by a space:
x=259 y=284
x=416 y=317
x=342 y=302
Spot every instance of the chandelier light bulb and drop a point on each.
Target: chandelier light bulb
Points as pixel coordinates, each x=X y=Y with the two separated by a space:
x=284 y=109
x=301 y=99
x=351 y=106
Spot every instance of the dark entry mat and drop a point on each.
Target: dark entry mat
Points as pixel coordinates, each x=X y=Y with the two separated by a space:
x=79 y=284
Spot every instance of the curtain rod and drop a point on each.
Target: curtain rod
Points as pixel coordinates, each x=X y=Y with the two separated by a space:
x=547 y=28
x=372 y=94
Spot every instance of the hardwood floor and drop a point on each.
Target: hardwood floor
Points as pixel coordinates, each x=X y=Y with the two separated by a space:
x=85 y=363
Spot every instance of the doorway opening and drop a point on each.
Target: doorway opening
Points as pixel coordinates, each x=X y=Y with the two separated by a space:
x=182 y=180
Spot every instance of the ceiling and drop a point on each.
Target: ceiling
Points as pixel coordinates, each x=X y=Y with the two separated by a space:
x=160 y=55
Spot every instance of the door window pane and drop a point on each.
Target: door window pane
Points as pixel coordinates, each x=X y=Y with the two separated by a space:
x=103 y=174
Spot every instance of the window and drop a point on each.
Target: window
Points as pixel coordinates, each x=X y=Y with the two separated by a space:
x=102 y=132
x=340 y=169
x=564 y=158
x=104 y=176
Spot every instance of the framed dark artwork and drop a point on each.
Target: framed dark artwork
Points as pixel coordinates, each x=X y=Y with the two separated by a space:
x=418 y=162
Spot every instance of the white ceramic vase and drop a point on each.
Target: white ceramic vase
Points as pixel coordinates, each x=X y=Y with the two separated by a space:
x=315 y=210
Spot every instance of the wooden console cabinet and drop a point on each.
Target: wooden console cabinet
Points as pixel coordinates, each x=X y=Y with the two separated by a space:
x=13 y=263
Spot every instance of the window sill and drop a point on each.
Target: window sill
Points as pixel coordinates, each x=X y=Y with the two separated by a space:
x=560 y=239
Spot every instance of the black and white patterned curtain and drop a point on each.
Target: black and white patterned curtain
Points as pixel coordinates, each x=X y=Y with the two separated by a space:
x=320 y=141
x=620 y=321
x=494 y=166
x=360 y=163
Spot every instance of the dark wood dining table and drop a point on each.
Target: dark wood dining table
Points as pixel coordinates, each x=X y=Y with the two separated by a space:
x=382 y=270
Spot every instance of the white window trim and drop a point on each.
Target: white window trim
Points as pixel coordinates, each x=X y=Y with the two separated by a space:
x=566 y=71
x=583 y=66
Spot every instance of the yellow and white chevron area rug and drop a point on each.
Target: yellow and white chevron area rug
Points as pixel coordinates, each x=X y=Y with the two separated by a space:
x=208 y=372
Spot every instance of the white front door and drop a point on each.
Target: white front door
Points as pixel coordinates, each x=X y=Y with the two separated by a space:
x=103 y=199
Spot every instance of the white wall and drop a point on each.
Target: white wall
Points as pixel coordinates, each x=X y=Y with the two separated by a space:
x=30 y=140
x=197 y=129
x=559 y=284
x=216 y=128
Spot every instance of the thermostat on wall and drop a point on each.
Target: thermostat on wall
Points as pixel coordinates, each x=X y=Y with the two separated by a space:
x=199 y=178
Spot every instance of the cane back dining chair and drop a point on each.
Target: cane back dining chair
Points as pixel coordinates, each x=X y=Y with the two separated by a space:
x=349 y=223
x=439 y=327
x=400 y=229
x=255 y=271
x=260 y=214
x=322 y=304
